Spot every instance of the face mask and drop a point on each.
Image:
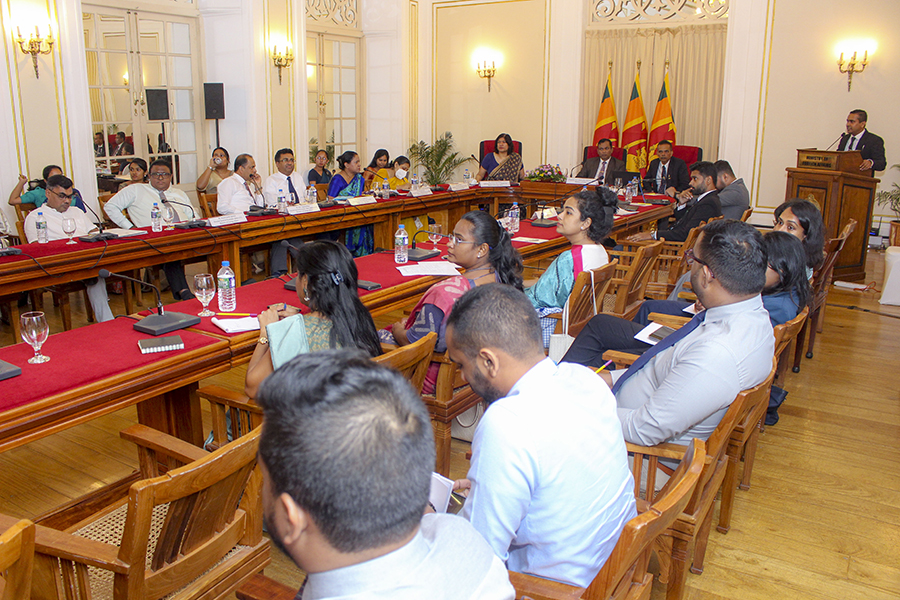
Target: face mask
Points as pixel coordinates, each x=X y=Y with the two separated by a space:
x=400 y=173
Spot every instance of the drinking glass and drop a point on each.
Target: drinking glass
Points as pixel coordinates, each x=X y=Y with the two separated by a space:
x=618 y=183
x=505 y=221
x=68 y=224
x=434 y=233
x=168 y=215
x=34 y=332
x=205 y=290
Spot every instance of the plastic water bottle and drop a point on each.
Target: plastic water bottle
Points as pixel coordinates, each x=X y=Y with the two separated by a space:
x=311 y=195
x=629 y=192
x=225 y=281
x=281 y=204
x=385 y=189
x=514 y=218
x=155 y=218
x=41 y=225
x=466 y=177
x=401 y=246
x=413 y=181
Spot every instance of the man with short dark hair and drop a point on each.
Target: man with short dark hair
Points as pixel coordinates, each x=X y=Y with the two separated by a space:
x=598 y=167
x=734 y=197
x=869 y=145
x=347 y=453
x=138 y=199
x=242 y=190
x=284 y=179
x=99 y=145
x=681 y=388
x=704 y=207
x=670 y=174
x=123 y=148
x=549 y=485
x=60 y=192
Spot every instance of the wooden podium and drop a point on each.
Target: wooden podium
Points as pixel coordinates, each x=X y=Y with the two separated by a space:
x=843 y=192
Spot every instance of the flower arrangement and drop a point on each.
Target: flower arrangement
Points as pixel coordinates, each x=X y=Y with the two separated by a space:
x=546 y=173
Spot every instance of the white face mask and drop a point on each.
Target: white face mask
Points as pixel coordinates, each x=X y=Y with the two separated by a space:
x=400 y=174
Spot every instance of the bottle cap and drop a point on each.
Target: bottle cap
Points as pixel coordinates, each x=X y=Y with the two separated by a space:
x=402 y=226
x=226 y=263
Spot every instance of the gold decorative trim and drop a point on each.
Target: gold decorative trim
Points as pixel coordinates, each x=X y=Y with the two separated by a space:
x=339 y=13
x=762 y=111
x=644 y=12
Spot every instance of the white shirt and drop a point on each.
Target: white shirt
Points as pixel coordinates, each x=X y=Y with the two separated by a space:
x=551 y=488
x=83 y=225
x=138 y=199
x=278 y=180
x=853 y=141
x=233 y=196
x=445 y=560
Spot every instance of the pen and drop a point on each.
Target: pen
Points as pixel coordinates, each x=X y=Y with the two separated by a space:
x=606 y=364
x=236 y=314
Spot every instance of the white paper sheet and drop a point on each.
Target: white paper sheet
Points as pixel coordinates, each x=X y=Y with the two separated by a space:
x=644 y=334
x=428 y=267
x=528 y=240
x=238 y=325
x=125 y=232
x=441 y=488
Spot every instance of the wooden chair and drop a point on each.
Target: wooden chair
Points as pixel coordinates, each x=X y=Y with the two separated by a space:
x=16 y=560
x=412 y=360
x=670 y=265
x=624 y=575
x=208 y=204
x=585 y=299
x=821 y=283
x=633 y=274
x=742 y=444
x=321 y=192
x=747 y=214
x=193 y=532
x=786 y=335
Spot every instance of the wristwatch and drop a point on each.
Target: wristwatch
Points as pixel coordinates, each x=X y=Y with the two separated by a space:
x=263 y=340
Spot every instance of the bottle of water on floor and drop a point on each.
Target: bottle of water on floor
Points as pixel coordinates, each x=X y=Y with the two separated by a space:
x=401 y=246
x=514 y=218
x=41 y=225
x=155 y=218
x=225 y=281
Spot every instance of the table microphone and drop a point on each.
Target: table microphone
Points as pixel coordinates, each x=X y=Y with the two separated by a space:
x=101 y=235
x=418 y=254
x=193 y=223
x=160 y=323
x=542 y=206
x=10 y=251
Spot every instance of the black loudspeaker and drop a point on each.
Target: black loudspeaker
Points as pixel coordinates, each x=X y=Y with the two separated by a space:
x=157 y=105
x=214 y=98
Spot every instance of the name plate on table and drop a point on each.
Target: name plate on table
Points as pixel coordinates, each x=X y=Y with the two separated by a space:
x=581 y=181
x=299 y=209
x=422 y=191
x=360 y=200
x=459 y=187
x=494 y=184
x=227 y=219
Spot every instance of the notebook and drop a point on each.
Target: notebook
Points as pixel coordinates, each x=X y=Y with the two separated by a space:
x=8 y=370
x=163 y=344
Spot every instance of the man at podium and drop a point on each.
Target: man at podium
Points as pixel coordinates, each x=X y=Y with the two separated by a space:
x=869 y=145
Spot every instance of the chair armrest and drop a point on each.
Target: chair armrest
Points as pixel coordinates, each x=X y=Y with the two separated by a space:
x=673 y=321
x=620 y=358
x=689 y=296
x=664 y=450
x=221 y=395
x=78 y=549
x=537 y=588
x=163 y=443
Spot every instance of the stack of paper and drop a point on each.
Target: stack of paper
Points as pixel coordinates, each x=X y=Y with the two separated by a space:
x=237 y=325
x=429 y=267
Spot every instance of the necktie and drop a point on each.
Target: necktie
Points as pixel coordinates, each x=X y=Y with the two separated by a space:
x=667 y=342
x=853 y=142
x=293 y=191
x=662 y=180
x=601 y=174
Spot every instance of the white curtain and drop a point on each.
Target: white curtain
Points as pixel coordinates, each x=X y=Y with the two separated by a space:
x=696 y=55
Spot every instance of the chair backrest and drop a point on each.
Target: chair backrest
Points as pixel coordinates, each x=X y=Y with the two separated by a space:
x=488 y=146
x=23 y=209
x=213 y=503
x=822 y=276
x=321 y=191
x=591 y=152
x=747 y=214
x=786 y=332
x=637 y=276
x=411 y=360
x=627 y=564
x=16 y=561
x=689 y=154
x=586 y=297
x=208 y=204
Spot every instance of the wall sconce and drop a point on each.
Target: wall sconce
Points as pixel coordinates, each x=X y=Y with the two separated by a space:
x=282 y=60
x=35 y=45
x=486 y=72
x=852 y=66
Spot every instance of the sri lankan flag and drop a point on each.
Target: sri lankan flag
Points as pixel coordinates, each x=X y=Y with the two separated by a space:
x=607 y=126
x=663 y=125
x=634 y=135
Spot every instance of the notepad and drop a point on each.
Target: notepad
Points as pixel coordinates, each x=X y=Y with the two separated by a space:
x=8 y=370
x=163 y=344
x=439 y=496
x=237 y=325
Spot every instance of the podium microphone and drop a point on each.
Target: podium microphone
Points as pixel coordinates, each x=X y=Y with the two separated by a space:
x=161 y=323
x=834 y=142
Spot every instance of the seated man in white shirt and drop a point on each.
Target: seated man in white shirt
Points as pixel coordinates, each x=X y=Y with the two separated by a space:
x=242 y=190
x=549 y=484
x=284 y=180
x=346 y=454
x=60 y=191
x=138 y=200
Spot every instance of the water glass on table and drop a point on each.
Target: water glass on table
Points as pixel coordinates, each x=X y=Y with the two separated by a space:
x=35 y=331
x=168 y=215
x=205 y=290
x=68 y=225
x=434 y=233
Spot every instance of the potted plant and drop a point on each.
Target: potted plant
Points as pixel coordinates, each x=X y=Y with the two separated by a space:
x=892 y=200
x=439 y=159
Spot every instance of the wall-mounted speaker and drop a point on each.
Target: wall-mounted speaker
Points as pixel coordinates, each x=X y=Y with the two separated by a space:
x=157 y=104
x=214 y=99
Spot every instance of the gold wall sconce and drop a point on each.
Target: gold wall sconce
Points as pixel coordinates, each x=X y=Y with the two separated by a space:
x=486 y=72
x=852 y=66
x=282 y=60
x=35 y=45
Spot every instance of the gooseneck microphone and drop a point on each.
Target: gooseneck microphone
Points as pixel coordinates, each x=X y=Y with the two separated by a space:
x=162 y=322
x=419 y=254
x=101 y=235
x=834 y=142
x=193 y=223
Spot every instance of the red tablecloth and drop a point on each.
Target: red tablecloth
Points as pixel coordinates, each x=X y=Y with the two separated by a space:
x=81 y=356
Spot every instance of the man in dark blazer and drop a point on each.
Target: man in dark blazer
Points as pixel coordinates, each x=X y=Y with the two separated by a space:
x=706 y=206
x=669 y=175
x=610 y=164
x=868 y=144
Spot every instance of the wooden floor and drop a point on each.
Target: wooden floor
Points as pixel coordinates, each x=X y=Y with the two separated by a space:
x=821 y=520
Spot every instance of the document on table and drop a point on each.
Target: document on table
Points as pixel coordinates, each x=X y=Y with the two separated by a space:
x=528 y=240
x=125 y=232
x=237 y=325
x=428 y=267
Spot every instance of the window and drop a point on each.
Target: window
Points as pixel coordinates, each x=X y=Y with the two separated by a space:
x=332 y=70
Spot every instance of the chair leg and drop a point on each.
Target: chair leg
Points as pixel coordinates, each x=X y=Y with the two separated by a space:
x=681 y=558
x=65 y=309
x=128 y=292
x=701 y=539
x=728 y=489
x=88 y=306
x=37 y=300
x=798 y=350
x=812 y=334
x=442 y=446
x=750 y=456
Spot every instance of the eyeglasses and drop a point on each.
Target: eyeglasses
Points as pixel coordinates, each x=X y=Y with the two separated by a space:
x=692 y=258
x=159 y=175
x=63 y=196
x=287 y=160
x=453 y=240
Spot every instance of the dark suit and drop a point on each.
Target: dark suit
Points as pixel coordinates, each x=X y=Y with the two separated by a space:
x=677 y=174
x=589 y=169
x=706 y=209
x=870 y=146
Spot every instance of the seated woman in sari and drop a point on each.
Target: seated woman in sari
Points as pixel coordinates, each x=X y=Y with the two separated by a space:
x=483 y=248
x=347 y=182
x=586 y=220
x=503 y=164
x=326 y=283
x=381 y=160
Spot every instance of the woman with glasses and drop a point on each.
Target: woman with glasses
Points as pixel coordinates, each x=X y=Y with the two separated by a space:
x=481 y=246
x=38 y=194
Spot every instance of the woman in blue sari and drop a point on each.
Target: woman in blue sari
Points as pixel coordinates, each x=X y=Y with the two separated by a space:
x=349 y=183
